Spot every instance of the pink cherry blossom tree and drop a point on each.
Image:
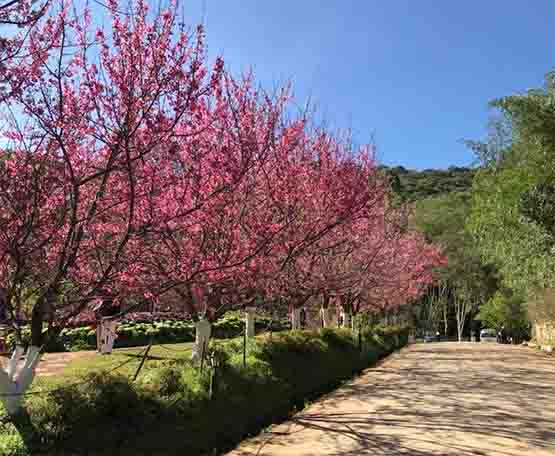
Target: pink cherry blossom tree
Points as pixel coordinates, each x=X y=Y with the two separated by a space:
x=380 y=264
x=135 y=169
x=94 y=117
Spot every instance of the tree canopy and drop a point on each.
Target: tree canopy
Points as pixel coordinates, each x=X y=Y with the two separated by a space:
x=412 y=185
x=512 y=202
x=137 y=168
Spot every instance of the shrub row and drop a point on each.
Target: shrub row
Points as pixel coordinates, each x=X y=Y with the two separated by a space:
x=170 y=412
x=136 y=332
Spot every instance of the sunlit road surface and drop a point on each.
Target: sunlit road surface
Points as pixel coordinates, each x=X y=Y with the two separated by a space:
x=431 y=399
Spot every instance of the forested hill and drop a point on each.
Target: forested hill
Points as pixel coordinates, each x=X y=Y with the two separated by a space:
x=413 y=185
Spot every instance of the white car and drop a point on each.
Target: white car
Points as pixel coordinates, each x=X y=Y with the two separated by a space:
x=488 y=335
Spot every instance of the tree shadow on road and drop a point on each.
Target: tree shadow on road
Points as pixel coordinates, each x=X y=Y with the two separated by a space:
x=435 y=401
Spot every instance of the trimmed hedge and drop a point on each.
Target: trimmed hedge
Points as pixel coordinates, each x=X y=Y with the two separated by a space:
x=170 y=412
x=137 y=333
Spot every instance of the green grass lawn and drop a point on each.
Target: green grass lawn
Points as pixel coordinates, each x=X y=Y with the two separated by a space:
x=133 y=356
x=123 y=361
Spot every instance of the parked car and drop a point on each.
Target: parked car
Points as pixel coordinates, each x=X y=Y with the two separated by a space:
x=429 y=337
x=488 y=335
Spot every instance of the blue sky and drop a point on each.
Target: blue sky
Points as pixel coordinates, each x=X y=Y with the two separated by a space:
x=415 y=73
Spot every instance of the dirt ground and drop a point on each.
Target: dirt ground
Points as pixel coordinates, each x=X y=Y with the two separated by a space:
x=432 y=399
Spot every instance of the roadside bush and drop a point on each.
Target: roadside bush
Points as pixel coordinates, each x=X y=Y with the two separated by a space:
x=170 y=411
x=168 y=381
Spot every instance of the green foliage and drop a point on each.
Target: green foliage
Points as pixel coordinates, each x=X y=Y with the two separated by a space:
x=170 y=411
x=538 y=205
x=168 y=380
x=511 y=217
x=412 y=185
x=442 y=220
x=232 y=325
x=133 y=334
x=491 y=152
x=508 y=310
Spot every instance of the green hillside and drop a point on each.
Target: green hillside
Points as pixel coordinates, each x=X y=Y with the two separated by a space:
x=413 y=185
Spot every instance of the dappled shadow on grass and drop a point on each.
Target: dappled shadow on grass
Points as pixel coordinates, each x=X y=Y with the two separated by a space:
x=434 y=400
x=140 y=356
x=129 y=357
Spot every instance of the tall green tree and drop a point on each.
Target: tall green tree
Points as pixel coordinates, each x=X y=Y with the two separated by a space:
x=469 y=280
x=513 y=203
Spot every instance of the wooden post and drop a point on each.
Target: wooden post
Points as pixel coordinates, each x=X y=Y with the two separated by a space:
x=212 y=375
x=250 y=321
x=203 y=354
x=143 y=360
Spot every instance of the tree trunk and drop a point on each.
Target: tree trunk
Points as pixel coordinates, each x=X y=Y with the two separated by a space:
x=14 y=382
x=296 y=318
x=462 y=309
x=445 y=322
x=37 y=320
x=325 y=313
x=346 y=318
x=346 y=311
x=202 y=337
x=249 y=321
x=460 y=321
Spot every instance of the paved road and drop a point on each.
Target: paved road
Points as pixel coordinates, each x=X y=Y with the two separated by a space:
x=432 y=399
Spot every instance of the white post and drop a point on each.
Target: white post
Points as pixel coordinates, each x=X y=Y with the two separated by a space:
x=203 y=330
x=325 y=313
x=346 y=318
x=107 y=335
x=296 y=318
x=12 y=363
x=249 y=321
x=14 y=383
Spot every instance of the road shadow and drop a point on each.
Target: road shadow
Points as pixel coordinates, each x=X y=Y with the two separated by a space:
x=442 y=399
